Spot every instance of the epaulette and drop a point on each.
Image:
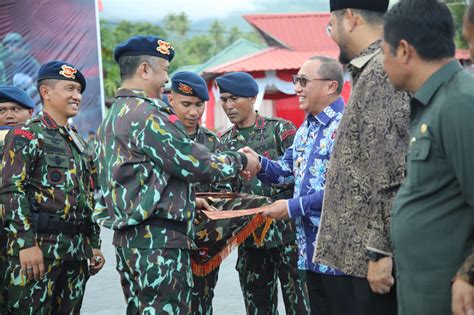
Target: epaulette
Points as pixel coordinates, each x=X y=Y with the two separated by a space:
x=229 y=130
x=260 y=122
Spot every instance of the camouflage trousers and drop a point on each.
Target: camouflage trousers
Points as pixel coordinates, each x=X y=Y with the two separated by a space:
x=155 y=281
x=203 y=293
x=3 y=269
x=60 y=291
x=259 y=270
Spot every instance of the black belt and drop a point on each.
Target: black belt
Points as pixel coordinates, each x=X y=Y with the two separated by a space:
x=178 y=226
x=46 y=223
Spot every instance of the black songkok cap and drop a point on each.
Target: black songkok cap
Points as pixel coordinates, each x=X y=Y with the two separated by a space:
x=369 y=5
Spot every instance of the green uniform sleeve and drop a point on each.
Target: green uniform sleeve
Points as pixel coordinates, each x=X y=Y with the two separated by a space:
x=19 y=153
x=168 y=146
x=456 y=136
x=285 y=132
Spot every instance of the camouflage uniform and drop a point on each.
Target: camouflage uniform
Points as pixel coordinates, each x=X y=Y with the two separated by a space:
x=48 y=200
x=3 y=236
x=146 y=163
x=203 y=289
x=260 y=268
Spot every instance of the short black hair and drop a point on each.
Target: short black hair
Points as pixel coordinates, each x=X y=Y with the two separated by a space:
x=370 y=17
x=330 y=68
x=48 y=82
x=129 y=64
x=427 y=25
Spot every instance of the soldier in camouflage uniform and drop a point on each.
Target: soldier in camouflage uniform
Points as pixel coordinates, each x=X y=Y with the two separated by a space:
x=146 y=163
x=48 y=202
x=188 y=96
x=16 y=107
x=260 y=267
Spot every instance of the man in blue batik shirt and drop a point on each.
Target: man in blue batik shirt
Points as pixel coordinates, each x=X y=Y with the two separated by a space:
x=318 y=86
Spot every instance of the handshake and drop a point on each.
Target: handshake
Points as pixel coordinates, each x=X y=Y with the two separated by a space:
x=253 y=163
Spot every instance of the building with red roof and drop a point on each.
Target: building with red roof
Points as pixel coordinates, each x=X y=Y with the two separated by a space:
x=291 y=40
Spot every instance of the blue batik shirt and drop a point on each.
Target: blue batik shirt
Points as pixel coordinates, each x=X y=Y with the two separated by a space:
x=305 y=163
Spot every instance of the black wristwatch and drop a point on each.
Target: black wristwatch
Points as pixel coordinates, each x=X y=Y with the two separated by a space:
x=374 y=256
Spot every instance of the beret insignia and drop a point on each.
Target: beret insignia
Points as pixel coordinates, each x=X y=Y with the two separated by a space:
x=185 y=88
x=164 y=47
x=68 y=72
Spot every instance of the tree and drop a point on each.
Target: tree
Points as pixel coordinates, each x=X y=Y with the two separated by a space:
x=177 y=24
x=189 y=50
x=114 y=33
x=458 y=8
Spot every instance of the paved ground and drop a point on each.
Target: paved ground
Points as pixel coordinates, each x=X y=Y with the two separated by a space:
x=104 y=295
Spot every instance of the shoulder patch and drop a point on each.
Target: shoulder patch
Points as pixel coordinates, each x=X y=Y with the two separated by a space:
x=24 y=133
x=287 y=134
x=173 y=118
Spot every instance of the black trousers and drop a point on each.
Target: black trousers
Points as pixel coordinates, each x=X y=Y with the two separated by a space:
x=346 y=295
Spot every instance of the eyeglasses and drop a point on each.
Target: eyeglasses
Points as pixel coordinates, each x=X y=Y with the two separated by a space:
x=329 y=29
x=303 y=81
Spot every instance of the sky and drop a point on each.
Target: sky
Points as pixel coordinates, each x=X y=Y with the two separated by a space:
x=155 y=10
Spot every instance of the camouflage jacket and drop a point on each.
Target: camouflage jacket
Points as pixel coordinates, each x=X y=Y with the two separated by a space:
x=211 y=141
x=270 y=138
x=146 y=164
x=45 y=169
x=3 y=133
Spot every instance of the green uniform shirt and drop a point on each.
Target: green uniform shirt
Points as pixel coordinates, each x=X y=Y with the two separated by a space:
x=46 y=167
x=146 y=164
x=433 y=215
x=212 y=142
x=269 y=137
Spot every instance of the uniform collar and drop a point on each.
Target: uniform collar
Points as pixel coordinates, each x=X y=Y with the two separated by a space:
x=259 y=124
x=429 y=88
x=328 y=113
x=361 y=60
x=47 y=120
x=124 y=92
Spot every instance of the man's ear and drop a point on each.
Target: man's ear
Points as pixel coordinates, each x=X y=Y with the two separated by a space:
x=143 y=70
x=44 y=91
x=405 y=52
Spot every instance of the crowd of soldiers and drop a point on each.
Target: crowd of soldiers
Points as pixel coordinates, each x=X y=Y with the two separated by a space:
x=365 y=250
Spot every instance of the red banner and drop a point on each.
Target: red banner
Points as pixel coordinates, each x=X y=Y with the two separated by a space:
x=33 y=32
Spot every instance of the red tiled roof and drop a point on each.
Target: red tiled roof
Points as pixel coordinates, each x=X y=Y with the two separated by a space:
x=270 y=59
x=299 y=31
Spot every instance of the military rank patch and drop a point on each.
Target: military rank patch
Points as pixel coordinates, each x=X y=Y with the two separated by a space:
x=185 y=88
x=287 y=134
x=68 y=72
x=164 y=47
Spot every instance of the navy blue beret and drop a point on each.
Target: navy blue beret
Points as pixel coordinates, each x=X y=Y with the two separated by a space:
x=190 y=84
x=368 y=5
x=61 y=70
x=15 y=95
x=141 y=45
x=238 y=83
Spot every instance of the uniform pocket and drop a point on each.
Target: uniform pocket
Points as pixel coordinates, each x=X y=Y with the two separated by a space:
x=419 y=168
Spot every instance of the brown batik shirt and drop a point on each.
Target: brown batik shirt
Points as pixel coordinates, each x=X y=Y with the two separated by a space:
x=366 y=168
